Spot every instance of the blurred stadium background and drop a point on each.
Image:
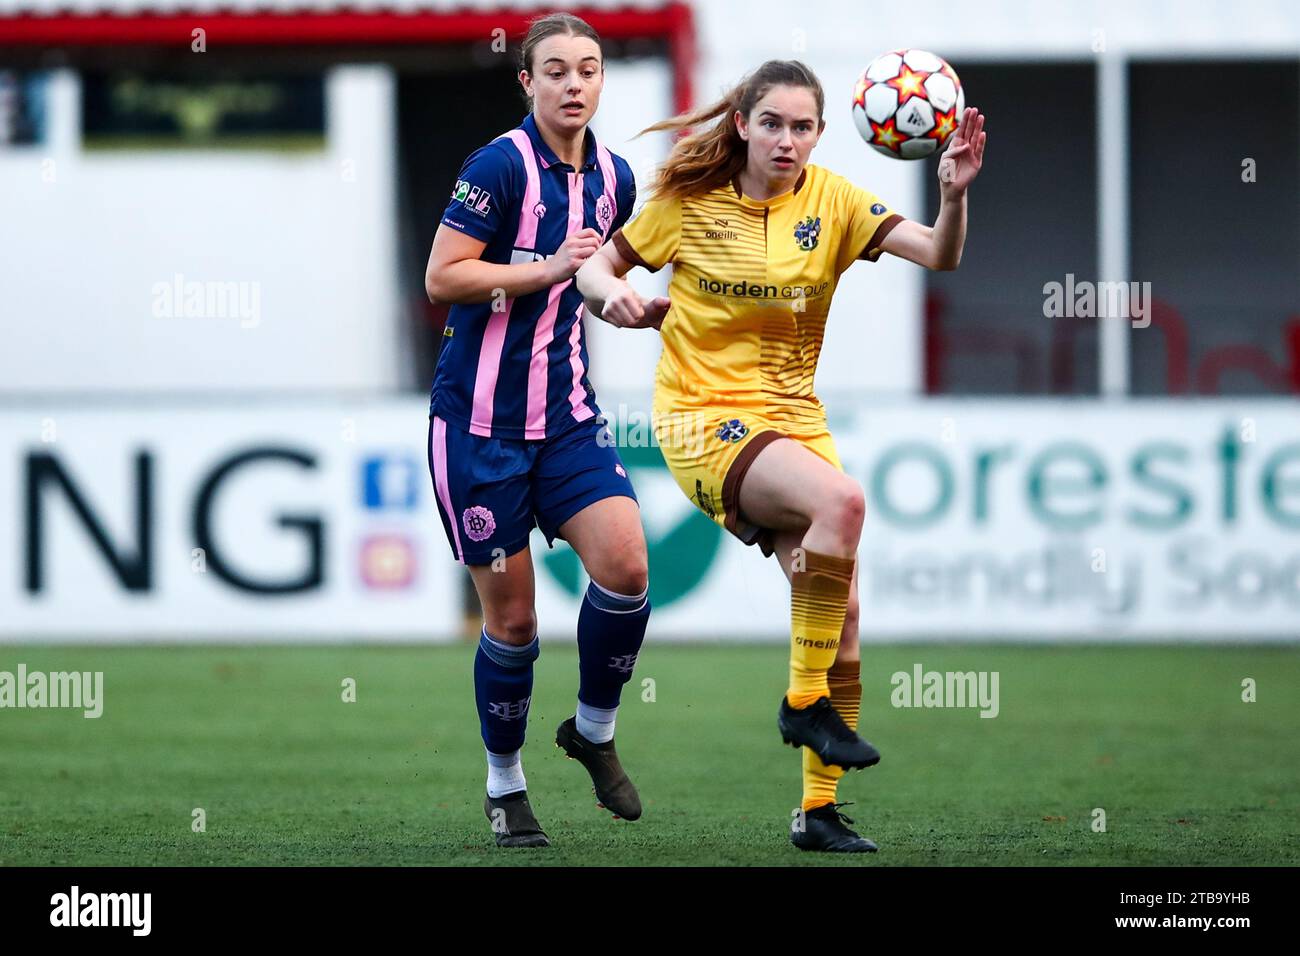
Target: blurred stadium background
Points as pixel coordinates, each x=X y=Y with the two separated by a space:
x=216 y=351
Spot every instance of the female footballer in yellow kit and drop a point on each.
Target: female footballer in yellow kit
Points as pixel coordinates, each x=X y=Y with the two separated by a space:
x=758 y=238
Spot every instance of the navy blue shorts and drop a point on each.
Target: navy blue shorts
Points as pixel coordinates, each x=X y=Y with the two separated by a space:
x=492 y=491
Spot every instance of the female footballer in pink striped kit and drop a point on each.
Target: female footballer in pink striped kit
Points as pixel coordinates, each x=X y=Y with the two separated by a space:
x=515 y=436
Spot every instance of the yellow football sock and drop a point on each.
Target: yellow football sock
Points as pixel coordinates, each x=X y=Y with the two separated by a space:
x=820 y=781
x=819 y=598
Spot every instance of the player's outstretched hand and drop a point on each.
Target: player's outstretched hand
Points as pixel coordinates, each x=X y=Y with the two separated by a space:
x=961 y=161
x=573 y=252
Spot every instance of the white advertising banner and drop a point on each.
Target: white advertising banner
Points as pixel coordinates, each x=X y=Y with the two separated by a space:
x=1106 y=520
x=1017 y=519
x=222 y=521
x=296 y=521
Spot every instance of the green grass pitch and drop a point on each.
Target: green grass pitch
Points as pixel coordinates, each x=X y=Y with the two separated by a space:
x=288 y=773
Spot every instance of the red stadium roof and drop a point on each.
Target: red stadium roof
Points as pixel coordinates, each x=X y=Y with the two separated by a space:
x=121 y=7
x=86 y=23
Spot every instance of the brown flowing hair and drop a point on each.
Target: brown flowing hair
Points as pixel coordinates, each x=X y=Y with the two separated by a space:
x=704 y=161
x=553 y=24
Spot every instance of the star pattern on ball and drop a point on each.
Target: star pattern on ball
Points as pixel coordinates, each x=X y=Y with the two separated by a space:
x=909 y=83
x=860 y=91
x=884 y=134
x=945 y=124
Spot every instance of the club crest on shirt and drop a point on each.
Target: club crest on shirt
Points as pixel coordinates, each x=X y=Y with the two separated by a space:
x=732 y=431
x=539 y=210
x=479 y=523
x=807 y=232
x=877 y=209
x=604 y=213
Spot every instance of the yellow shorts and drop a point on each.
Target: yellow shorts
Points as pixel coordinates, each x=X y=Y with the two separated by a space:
x=709 y=451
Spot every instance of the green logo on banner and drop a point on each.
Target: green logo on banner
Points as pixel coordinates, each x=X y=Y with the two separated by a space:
x=679 y=558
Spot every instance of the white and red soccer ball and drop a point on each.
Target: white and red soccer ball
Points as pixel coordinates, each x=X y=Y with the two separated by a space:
x=907 y=103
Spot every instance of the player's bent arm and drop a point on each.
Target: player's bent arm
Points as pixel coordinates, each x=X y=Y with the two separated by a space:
x=456 y=275
x=601 y=277
x=607 y=294
x=611 y=297
x=937 y=247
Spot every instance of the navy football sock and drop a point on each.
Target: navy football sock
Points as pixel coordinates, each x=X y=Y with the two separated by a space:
x=611 y=628
x=503 y=689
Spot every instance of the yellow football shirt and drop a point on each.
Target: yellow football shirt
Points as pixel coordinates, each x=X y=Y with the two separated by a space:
x=751 y=288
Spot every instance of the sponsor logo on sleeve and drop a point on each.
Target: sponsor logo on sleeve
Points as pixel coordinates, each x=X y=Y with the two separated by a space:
x=472 y=197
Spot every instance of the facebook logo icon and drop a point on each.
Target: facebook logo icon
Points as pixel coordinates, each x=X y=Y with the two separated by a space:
x=389 y=481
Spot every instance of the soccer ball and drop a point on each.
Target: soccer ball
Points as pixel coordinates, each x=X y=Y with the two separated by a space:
x=908 y=103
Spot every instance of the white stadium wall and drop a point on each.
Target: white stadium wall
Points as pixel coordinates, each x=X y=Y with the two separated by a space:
x=95 y=242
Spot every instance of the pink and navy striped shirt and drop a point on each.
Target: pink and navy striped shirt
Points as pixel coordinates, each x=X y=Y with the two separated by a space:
x=517 y=368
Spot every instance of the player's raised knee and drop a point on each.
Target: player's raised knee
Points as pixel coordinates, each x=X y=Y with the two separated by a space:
x=844 y=507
